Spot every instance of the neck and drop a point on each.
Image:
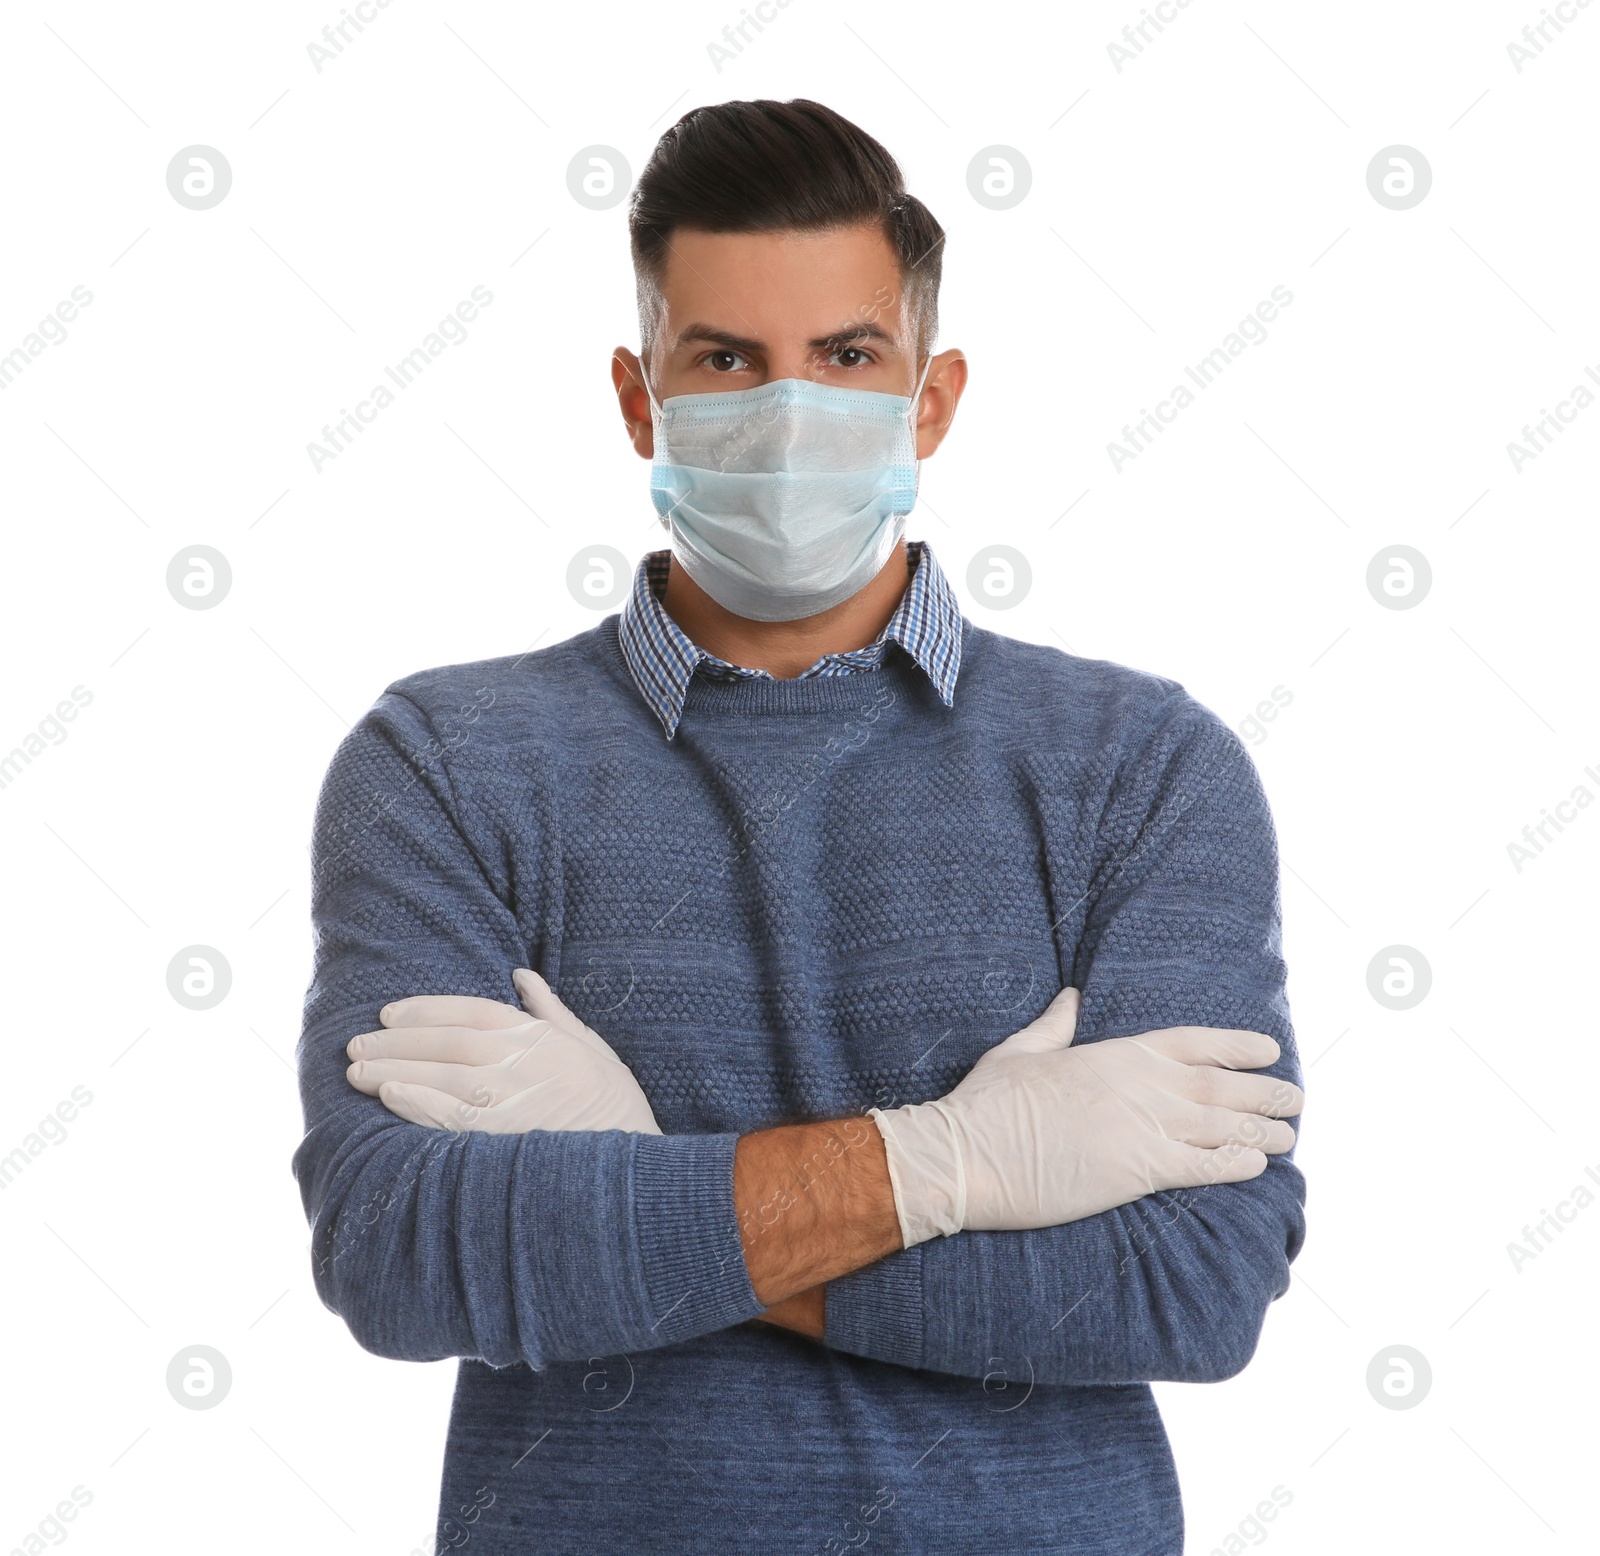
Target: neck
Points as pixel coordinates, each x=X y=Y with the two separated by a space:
x=786 y=648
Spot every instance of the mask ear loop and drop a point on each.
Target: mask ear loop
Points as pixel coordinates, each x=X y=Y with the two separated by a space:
x=916 y=397
x=916 y=394
x=644 y=378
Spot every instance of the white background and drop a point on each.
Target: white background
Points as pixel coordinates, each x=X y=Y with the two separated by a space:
x=1167 y=200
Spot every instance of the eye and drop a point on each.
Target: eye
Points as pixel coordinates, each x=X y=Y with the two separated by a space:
x=851 y=356
x=725 y=361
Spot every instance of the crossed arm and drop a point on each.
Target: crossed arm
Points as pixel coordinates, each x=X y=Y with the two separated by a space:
x=812 y=1201
x=560 y=1244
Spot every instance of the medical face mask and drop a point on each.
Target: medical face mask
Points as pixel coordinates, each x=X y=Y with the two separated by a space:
x=785 y=500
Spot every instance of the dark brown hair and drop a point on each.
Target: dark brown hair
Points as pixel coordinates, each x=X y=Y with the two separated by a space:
x=766 y=166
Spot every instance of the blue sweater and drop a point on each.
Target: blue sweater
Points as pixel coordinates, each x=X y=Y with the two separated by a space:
x=824 y=895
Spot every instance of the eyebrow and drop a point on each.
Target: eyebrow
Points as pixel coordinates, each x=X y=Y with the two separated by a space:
x=854 y=330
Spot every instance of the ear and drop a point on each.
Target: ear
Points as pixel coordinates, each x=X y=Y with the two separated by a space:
x=947 y=378
x=627 y=378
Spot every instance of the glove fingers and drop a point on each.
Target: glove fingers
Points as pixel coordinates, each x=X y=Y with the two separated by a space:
x=1220 y=1046
x=482 y=1085
x=422 y=1105
x=1210 y=1128
x=541 y=1001
x=1052 y=1029
x=1194 y=1167
x=514 y=1115
x=448 y=1010
x=438 y=1110
x=448 y=1044
x=1263 y=1094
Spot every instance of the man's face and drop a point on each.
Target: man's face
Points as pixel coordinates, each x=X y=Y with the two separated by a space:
x=738 y=310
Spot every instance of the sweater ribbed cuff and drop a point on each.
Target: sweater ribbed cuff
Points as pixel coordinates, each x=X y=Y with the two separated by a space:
x=877 y=1311
x=688 y=1235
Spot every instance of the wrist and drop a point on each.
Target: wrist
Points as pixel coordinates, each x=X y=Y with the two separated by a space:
x=927 y=1172
x=813 y=1202
x=806 y=1313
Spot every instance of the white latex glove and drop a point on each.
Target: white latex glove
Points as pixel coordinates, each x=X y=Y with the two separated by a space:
x=1039 y=1133
x=462 y=1063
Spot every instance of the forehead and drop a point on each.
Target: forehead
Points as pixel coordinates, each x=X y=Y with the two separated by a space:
x=771 y=284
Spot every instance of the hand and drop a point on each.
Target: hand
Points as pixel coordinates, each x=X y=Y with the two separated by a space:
x=462 y=1063
x=1039 y=1132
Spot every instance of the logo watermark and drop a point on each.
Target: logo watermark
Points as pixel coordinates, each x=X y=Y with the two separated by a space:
x=1399 y=1377
x=199 y=1377
x=598 y=577
x=199 y=177
x=199 y=577
x=1399 y=977
x=1399 y=177
x=598 y=177
x=999 y=177
x=1399 y=577
x=999 y=577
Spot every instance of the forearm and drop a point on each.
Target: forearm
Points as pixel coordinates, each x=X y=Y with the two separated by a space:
x=1004 y=1294
x=813 y=1202
x=534 y=1248
x=1174 y=1287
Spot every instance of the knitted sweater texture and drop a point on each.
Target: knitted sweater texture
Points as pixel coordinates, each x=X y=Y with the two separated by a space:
x=821 y=896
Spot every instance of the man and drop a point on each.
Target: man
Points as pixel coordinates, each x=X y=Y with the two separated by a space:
x=801 y=878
